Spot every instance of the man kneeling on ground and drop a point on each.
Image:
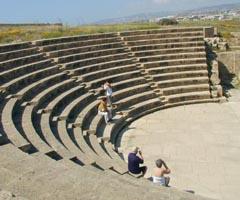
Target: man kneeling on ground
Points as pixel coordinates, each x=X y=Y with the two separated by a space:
x=134 y=161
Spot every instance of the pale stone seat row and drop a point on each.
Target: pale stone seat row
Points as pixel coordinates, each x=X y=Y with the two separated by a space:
x=84 y=44
x=83 y=49
x=164 y=40
x=9 y=128
x=165 y=46
x=177 y=68
x=75 y=70
x=32 y=89
x=14 y=47
x=162 y=35
x=174 y=63
x=157 y=31
x=17 y=53
x=153 y=52
x=16 y=62
x=94 y=60
x=72 y=38
x=7 y=75
x=19 y=83
x=178 y=75
x=173 y=56
x=91 y=54
x=107 y=72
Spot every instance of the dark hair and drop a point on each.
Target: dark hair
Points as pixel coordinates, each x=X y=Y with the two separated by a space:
x=104 y=99
x=159 y=163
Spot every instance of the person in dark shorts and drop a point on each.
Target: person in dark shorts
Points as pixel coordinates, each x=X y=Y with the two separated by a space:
x=134 y=162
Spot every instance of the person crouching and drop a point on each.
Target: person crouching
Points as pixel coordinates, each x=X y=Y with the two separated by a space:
x=103 y=111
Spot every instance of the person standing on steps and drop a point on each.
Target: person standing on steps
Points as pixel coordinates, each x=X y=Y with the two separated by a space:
x=134 y=162
x=108 y=91
x=159 y=171
x=103 y=111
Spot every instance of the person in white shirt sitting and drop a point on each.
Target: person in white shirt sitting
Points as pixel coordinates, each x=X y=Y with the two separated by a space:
x=159 y=171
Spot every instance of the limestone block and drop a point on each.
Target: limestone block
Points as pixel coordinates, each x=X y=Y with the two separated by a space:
x=208 y=31
x=215 y=80
x=223 y=46
x=216 y=91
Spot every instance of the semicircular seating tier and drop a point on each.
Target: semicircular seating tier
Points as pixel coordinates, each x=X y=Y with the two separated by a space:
x=51 y=135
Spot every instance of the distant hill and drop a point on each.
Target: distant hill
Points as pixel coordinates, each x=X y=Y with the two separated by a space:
x=134 y=18
x=152 y=15
x=216 y=8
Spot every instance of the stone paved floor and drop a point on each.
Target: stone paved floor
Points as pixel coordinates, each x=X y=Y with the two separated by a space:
x=200 y=143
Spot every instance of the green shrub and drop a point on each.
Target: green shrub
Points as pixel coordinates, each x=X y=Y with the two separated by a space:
x=167 y=21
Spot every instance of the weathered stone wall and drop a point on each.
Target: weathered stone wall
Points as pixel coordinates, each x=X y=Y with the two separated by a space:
x=230 y=61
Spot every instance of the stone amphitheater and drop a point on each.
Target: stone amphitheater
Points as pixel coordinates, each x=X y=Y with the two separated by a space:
x=53 y=143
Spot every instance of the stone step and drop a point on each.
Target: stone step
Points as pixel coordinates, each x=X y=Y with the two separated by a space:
x=166 y=46
x=64 y=99
x=179 y=75
x=130 y=101
x=32 y=135
x=18 y=53
x=9 y=128
x=94 y=60
x=188 y=96
x=174 y=62
x=65 y=137
x=164 y=31
x=81 y=43
x=129 y=91
x=106 y=72
x=47 y=94
x=72 y=39
x=100 y=66
x=14 y=47
x=185 y=89
x=8 y=75
x=182 y=81
x=16 y=62
x=157 y=35
x=75 y=105
x=19 y=83
x=175 y=56
x=169 y=51
x=177 y=68
x=89 y=55
x=32 y=89
x=83 y=49
x=79 y=138
x=115 y=78
x=165 y=40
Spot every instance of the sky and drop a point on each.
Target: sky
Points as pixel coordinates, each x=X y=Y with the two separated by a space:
x=77 y=12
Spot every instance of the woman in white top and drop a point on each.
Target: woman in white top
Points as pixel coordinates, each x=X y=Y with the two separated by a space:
x=108 y=89
x=159 y=171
